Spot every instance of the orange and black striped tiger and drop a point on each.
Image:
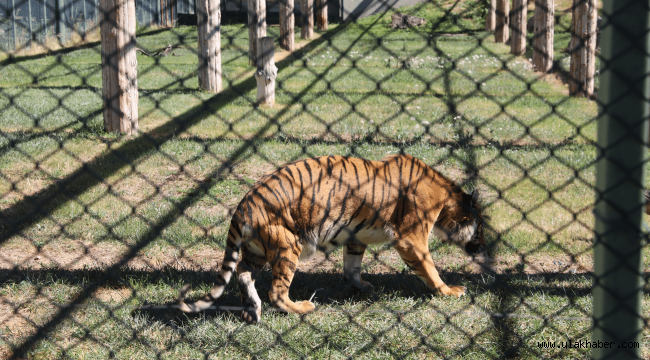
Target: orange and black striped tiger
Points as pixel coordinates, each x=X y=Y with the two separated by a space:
x=332 y=201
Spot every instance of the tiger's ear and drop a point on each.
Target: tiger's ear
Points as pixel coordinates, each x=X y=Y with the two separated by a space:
x=474 y=195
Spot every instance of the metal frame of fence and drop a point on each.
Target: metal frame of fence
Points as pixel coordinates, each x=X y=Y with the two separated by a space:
x=207 y=167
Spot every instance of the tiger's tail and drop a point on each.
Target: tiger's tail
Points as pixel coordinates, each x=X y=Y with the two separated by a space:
x=233 y=244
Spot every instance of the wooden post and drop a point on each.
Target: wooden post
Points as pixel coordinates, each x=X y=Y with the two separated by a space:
x=13 y=23
x=519 y=18
x=321 y=15
x=162 y=13
x=583 y=48
x=208 y=13
x=31 y=34
x=543 y=39
x=173 y=13
x=158 y=12
x=490 y=17
x=266 y=72
x=256 y=27
x=306 y=19
x=85 y=20
x=96 y=13
x=287 y=24
x=44 y=21
x=72 y=20
x=502 y=28
x=119 y=66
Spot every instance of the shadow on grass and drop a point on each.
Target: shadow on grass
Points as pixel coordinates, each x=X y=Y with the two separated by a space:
x=326 y=287
x=89 y=45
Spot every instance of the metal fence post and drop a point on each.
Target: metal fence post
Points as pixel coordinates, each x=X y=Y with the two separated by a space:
x=622 y=141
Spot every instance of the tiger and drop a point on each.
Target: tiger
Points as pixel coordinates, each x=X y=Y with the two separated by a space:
x=327 y=202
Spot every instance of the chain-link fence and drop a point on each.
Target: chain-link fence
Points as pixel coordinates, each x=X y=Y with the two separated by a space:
x=99 y=231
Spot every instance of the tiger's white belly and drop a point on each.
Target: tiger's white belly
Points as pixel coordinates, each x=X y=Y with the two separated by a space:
x=328 y=240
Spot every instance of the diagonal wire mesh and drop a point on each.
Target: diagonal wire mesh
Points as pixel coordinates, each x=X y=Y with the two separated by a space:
x=99 y=231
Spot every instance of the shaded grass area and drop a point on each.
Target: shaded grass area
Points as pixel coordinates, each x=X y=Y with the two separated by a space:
x=398 y=319
x=163 y=200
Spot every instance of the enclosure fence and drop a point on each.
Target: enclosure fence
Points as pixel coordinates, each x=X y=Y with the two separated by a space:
x=536 y=110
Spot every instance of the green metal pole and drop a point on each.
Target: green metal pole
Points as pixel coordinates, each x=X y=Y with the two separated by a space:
x=622 y=143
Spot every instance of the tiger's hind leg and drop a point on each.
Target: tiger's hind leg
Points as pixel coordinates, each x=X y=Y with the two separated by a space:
x=283 y=267
x=352 y=256
x=246 y=273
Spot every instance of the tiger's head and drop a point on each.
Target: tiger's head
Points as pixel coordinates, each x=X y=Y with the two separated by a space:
x=462 y=224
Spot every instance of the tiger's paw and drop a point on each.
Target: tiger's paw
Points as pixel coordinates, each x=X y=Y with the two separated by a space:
x=252 y=316
x=358 y=284
x=453 y=290
x=304 y=307
x=363 y=285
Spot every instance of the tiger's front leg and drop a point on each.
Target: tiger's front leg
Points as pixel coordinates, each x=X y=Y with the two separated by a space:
x=418 y=258
x=352 y=256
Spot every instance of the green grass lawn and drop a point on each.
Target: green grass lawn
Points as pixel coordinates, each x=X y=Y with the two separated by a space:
x=114 y=223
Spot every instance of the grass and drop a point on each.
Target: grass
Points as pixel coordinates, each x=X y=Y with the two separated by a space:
x=150 y=213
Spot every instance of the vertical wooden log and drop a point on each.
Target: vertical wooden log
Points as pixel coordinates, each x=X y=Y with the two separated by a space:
x=71 y=19
x=13 y=23
x=63 y=22
x=306 y=19
x=519 y=17
x=208 y=13
x=490 y=17
x=287 y=25
x=544 y=33
x=85 y=21
x=119 y=66
x=97 y=17
x=167 y=15
x=502 y=26
x=321 y=15
x=163 y=13
x=256 y=27
x=266 y=72
x=44 y=21
x=173 y=12
x=31 y=34
x=583 y=49
x=158 y=12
